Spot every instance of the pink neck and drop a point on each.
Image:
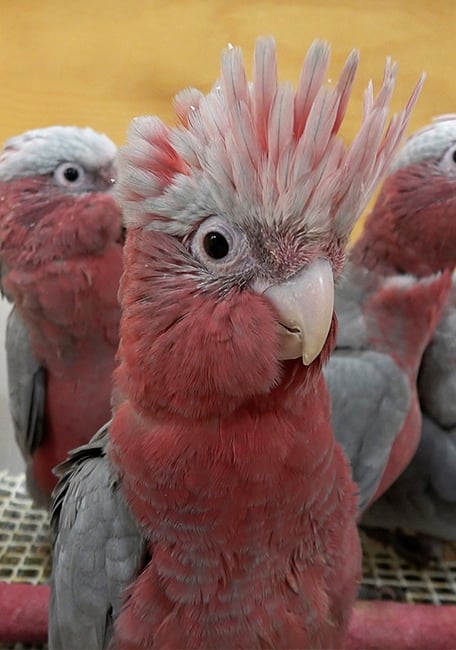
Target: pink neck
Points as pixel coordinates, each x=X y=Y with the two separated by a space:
x=250 y=453
x=230 y=506
x=70 y=307
x=249 y=457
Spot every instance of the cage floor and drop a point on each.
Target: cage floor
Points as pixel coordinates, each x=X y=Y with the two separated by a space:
x=24 y=534
x=384 y=568
x=25 y=554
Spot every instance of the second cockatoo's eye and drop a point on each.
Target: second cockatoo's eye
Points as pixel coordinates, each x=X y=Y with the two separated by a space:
x=69 y=174
x=221 y=247
x=448 y=161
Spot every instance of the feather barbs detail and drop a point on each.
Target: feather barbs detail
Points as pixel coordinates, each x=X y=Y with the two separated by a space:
x=260 y=150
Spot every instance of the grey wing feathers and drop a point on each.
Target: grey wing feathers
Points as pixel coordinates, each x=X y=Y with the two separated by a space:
x=423 y=499
x=437 y=378
x=351 y=291
x=26 y=386
x=370 y=399
x=437 y=455
x=97 y=549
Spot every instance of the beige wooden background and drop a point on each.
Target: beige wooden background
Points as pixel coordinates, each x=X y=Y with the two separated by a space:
x=99 y=63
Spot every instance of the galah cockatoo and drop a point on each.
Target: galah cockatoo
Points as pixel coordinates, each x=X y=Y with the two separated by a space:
x=215 y=510
x=420 y=193
x=397 y=286
x=61 y=261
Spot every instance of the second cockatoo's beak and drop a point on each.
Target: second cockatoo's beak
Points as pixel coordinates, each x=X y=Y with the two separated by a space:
x=107 y=176
x=304 y=306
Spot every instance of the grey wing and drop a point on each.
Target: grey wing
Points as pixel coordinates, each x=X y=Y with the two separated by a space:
x=423 y=499
x=437 y=378
x=352 y=289
x=370 y=399
x=26 y=386
x=97 y=551
x=437 y=455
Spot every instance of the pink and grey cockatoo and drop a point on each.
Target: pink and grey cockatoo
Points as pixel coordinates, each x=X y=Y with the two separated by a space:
x=398 y=285
x=422 y=188
x=216 y=509
x=61 y=261
x=385 y=325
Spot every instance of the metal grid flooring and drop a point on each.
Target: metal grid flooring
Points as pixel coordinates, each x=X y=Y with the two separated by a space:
x=25 y=554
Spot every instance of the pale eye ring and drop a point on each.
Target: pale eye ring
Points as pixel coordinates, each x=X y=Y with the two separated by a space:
x=220 y=246
x=69 y=174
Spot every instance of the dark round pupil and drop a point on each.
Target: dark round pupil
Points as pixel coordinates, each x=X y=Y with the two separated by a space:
x=216 y=245
x=454 y=156
x=71 y=174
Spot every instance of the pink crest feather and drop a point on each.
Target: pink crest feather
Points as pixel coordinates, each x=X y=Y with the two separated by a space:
x=264 y=87
x=313 y=75
x=261 y=151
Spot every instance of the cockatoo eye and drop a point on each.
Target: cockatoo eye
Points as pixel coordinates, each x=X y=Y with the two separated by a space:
x=448 y=162
x=69 y=174
x=215 y=245
x=221 y=247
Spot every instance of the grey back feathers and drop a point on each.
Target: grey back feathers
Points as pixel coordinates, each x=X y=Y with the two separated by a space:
x=370 y=393
x=370 y=397
x=437 y=378
x=423 y=499
x=40 y=151
x=27 y=396
x=98 y=550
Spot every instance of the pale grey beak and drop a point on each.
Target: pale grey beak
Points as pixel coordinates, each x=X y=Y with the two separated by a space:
x=108 y=176
x=305 y=307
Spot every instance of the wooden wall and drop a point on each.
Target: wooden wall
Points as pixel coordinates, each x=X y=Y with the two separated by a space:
x=99 y=63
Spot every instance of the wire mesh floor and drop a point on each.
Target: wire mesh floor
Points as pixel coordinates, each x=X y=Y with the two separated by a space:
x=25 y=554
x=435 y=584
x=24 y=534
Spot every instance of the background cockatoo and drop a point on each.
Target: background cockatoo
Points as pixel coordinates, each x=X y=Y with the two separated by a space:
x=423 y=187
x=61 y=261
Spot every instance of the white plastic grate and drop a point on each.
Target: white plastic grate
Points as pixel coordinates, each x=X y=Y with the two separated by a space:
x=24 y=534
x=435 y=584
x=24 y=539
x=25 y=554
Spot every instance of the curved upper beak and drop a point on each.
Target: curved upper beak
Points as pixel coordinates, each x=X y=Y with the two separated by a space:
x=305 y=307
